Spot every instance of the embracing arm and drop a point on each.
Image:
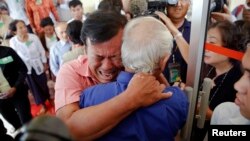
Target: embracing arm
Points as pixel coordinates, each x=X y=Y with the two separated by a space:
x=92 y=122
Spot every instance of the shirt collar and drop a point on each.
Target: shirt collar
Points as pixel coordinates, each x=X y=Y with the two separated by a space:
x=83 y=68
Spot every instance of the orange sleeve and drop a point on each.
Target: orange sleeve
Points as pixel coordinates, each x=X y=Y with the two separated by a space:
x=54 y=10
x=29 y=13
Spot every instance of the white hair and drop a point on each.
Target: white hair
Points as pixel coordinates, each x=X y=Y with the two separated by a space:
x=146 y=41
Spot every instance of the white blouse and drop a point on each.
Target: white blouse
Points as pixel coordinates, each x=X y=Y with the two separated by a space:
x=31 y=52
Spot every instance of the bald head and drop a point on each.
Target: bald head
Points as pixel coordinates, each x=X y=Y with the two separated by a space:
x=60 y=29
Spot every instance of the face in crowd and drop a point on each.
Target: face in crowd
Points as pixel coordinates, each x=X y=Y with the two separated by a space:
x=243 y=87
x=21 y=28
x=246 y=11
x=105 y=58
x=214 y=37
x=77 y=12
x=61 y=31
x=49 y=30
x=179 y=11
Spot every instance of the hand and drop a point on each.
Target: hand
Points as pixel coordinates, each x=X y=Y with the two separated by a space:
x=161 y=78
x=180 y=84
x=145 y=90
x=218 y=16
x=171 y=27
x=8 y=94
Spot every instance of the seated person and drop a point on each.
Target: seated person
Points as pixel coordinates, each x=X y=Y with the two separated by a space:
x=149 y=54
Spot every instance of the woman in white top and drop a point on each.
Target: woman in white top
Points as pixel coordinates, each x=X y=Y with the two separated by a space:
x=29 y=48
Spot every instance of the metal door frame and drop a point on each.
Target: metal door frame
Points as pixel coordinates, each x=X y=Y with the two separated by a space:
x=200 y=13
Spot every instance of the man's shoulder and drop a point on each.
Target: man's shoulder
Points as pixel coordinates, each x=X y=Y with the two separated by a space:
x=178 y=98
x=106 y=88
x=187 y=23
x=176 y=91
x=71 y=55
x=98 y=94
x=81 y=63
x=224 y=112
x=227 y=107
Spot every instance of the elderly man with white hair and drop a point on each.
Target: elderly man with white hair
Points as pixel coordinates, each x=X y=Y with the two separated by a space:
x=146 y=47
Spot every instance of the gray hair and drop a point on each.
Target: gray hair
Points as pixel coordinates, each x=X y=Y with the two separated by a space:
x=146 y=41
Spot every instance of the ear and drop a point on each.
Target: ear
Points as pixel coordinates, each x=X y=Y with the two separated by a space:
x=164 y=61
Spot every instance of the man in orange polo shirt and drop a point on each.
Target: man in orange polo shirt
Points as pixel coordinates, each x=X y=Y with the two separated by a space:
x=102 y=35
x=36 y=10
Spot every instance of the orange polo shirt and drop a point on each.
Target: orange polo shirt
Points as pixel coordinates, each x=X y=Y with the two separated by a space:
x=72 y=79
x=36 y=12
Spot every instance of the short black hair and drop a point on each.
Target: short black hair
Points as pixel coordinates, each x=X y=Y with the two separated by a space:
x=12 y=25
x=75 y=3
x=115 y=5
x=229 y=36
x=73 y=30
x=46 y=21
x=101 y=26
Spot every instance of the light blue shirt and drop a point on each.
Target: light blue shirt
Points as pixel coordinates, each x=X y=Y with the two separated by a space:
x=56 y=54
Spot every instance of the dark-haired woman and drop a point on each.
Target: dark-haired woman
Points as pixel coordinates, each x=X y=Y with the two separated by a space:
x=224 y=71
x=30 y=50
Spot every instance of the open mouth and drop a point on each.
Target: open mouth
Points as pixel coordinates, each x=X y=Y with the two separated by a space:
x=107 y=75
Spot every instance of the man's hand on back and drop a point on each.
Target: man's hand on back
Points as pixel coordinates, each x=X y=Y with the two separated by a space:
x=146 y=90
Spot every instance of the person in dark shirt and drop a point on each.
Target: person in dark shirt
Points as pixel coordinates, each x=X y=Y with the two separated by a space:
x=224 y=71
x=180 y=27
x=14 y=104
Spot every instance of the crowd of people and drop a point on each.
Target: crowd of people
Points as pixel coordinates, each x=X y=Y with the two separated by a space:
x=115 y=76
